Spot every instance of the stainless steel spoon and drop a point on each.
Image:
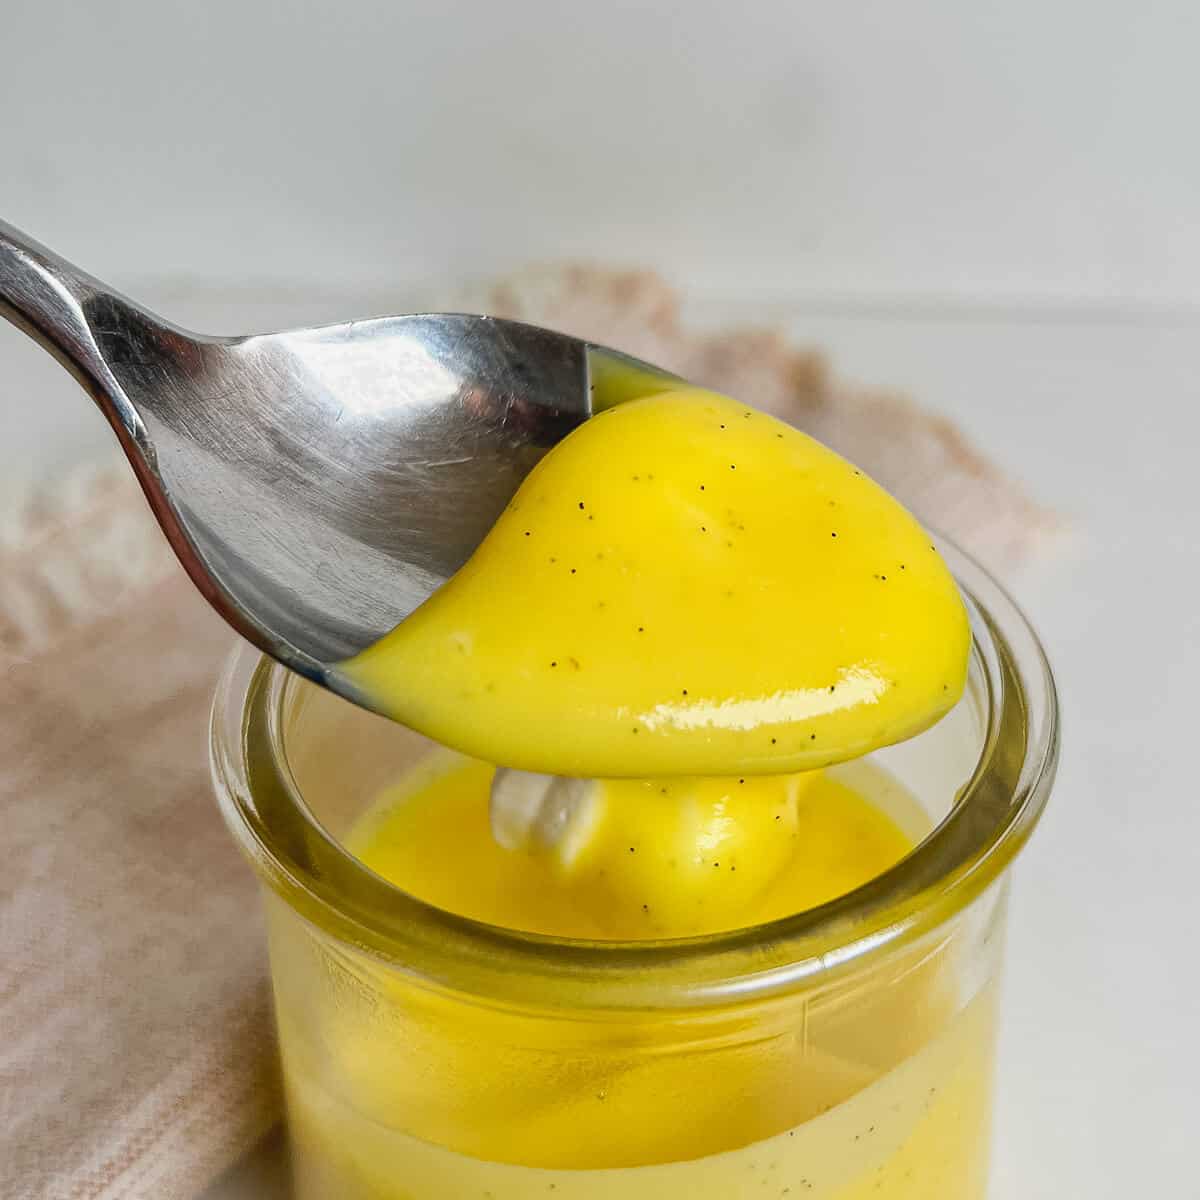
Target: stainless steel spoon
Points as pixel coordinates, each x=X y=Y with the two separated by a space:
x=316 y=484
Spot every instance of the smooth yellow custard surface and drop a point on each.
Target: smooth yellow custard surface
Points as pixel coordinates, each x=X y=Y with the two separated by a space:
x=682 y=586
x=661 y=858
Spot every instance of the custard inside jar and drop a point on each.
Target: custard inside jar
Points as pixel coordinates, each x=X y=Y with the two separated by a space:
x=431 y=1052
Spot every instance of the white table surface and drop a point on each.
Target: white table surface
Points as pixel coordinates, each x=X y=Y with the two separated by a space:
x=1100 y=1061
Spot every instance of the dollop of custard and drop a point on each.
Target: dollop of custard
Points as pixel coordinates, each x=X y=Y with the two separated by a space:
x=684 y=586
x=665 y=858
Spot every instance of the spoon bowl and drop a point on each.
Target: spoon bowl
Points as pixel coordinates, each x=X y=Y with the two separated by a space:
x=317 y=484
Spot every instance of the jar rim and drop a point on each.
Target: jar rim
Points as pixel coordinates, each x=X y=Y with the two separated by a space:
x=992 y=818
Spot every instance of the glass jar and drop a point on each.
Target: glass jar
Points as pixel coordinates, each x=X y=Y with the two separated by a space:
x=843 y=1052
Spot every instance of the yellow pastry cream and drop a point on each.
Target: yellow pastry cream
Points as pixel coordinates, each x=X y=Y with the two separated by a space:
x=688 y=616
x=880 y=1089
x=682 y=586
x=653 y=859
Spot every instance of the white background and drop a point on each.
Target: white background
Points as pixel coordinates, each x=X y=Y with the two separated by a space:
x=926 y=150
x=993 y=206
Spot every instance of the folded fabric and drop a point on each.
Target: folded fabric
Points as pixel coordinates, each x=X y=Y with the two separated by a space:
x=136 y=1055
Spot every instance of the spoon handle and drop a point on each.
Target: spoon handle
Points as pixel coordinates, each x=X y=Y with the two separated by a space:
x=53 y=301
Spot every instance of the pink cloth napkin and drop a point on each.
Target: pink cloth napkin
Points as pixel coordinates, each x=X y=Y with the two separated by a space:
x=136 y=1056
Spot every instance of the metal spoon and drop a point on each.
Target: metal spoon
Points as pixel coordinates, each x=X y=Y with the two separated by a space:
x=316 y=484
